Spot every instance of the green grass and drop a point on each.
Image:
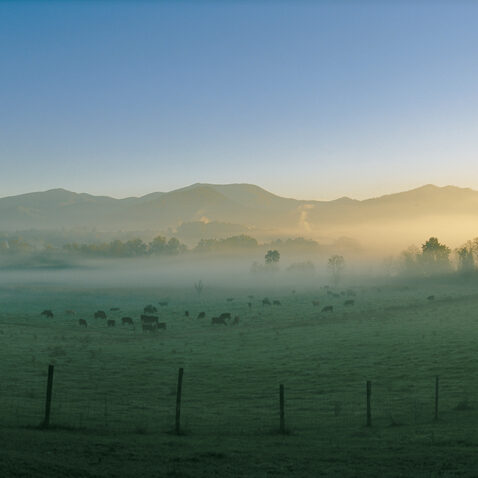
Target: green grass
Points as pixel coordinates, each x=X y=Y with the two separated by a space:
x=117 y=386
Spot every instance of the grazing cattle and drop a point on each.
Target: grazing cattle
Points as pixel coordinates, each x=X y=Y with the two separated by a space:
x=111 y=323
x=100 y=314
x=149 y=327
x=126 y=320
x=316 y=303
x=225 y=315
x=150 y=309
x=163 y=303
x=328 y=308
x=276 y=302
x=186 y=313
x=47 y=313
x=230 y=299
x=114 y=309
x=333 y=294
x=82 y=323
x=218 y=320
x=266 y=301
x=249 y=304
x=349 y=302
x=149 y=319
x=69 y=312
x=431 y=297
x=250 y=297
x=161 y=325
x=201 y=315
x=235 y=321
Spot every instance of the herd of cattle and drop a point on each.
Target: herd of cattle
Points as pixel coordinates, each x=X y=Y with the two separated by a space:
x=150 y=320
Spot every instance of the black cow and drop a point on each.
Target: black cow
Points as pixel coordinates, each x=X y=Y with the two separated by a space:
x=276 y=302
x=225 y=315
x=431 y=297
x=163 y=303
x=100 y=314
x=201 y=315
x=316 y=303
x=82 y=323
x=230 y=299
x=349 y=302
x=218 y=320
x=126 y=320
x=114 y=309
x=236 y=320
x=328 y=308
x=266 y=301
x=161 y=325
x=111 y=323
x=150 y=309
x=47 y=313
x=186 y=313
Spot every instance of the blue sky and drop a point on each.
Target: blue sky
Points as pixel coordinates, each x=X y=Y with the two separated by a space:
x=307 y=99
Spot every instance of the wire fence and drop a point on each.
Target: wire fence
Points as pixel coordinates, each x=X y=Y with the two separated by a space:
x=225 y=407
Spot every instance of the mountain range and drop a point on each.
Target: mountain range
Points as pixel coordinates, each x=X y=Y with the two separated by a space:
x=252 y=208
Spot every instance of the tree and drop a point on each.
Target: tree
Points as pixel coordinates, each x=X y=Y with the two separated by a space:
x=336 y=265
x=272 y=257
x=199 y=287
x=435 y=256
x=466 y=259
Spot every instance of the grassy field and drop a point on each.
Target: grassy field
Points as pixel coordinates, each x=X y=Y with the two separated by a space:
x=114 y=388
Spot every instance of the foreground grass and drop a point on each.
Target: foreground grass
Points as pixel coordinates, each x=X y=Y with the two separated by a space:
x=114 y=388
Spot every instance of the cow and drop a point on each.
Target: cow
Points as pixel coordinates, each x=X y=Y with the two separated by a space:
x=100 y=314
x=149 y=327
x=150 y=309
x=332 y=294
x=225 y=315
x=316 y=303
x=114 y=309
x=163 y=303
x=69 y=312
x=126 y=320
x=111 y=323
x=218 y=320
x=186 y=313
x=149 y=319
x=250 y=297
x=266 y=301
x=236 y=320
x=276 y=302
x=249 y=304
x=431 y=297
x=230 y=299
x=161 y=325
x=47 y=313
x=82 y=323
x=349 y=302
x=328 y=308
x=201 y=315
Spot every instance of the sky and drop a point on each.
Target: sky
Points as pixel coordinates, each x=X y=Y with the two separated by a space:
x=313 y=100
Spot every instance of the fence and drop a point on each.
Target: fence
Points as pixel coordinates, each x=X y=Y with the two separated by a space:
x=376 y=404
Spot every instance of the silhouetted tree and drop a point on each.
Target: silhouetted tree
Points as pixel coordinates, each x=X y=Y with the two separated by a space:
x=336 y=265
x=272 y=257
x=435 y=256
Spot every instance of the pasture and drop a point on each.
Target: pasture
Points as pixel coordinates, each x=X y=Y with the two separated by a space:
x=114 y=389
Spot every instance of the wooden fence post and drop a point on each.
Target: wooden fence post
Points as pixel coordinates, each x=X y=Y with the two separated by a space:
x=49 y=388
x=369 y=410
x=281 y=409
x=178 y=400
x=437 y=382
